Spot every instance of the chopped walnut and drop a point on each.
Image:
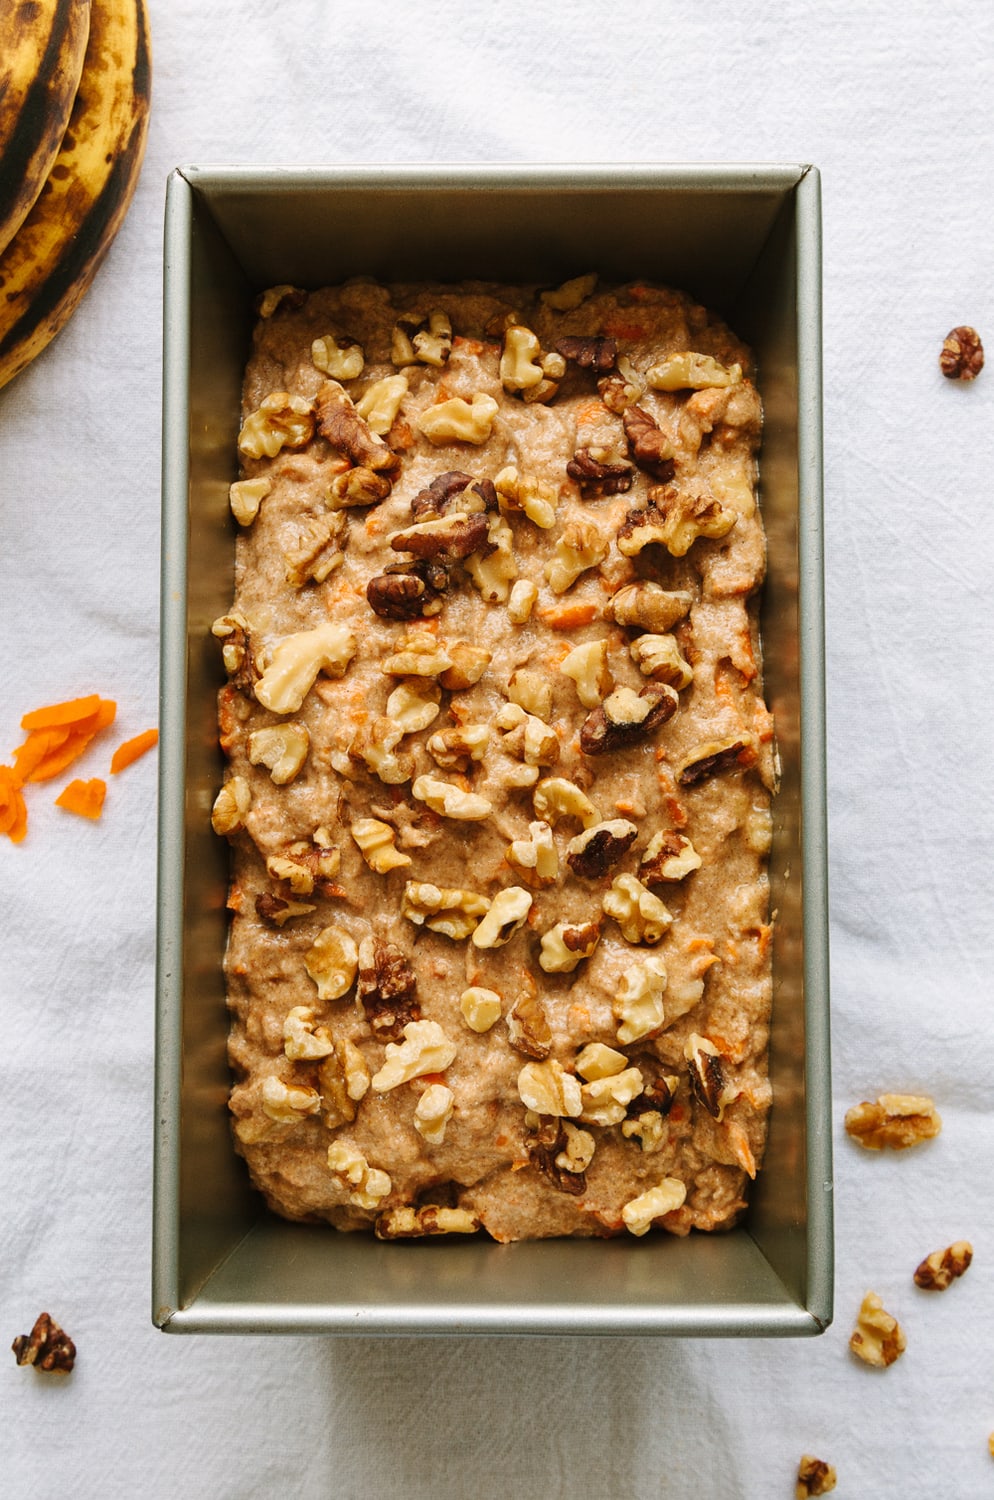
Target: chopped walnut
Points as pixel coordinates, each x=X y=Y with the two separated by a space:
x=303 y=1041
x=387 y=989
x=605 y=1100
x=566 y=945
x=375 y=746
x=433 y=1112
x=523 y=366
x=480 y=1007
x=380 y=402
x=562 y=1152
x=518 y=495
x=669 y=857
x=675 y=520
x=292 y=872
x=648 y=1128
x=493 y=569
x=733 y=753
x=548 y=1089
x=420 y=654
x=940 y=1269
x=625 y=717
x=508 y=912
x=48 y=1347
x=556 y=798
x=413 y=705
x=878 y=1338
x=459 y=421
x=425 y=1049
x=598 y=1060
x=287 y=1104
x=659 y=657
x=332 y=962
x=895 y=1120
x=640 y=1212
x=650 y=607
x=641 y=916
x=347 y=432
x=245 y=496
x=692 y=372
x=451 y=801
x=527 y=737
x=597 y=849
x=408 y=593
x=316 y=551
x=962 y=354
x=276 y=912
x=531 y=691
x=649 y=446
x=589 y=352
x=426 y=341
x=274 y=297
x=707 y=1075
x=434 y=500
x=814 y=1477
x=367 y=1186
x=638 y=1000
x=296 y=662
x=282 y=748
x=569 y=296
x=587 y=665
x=338 y=358
x=468 y=665
x=343 y=1079
x=356 y=487
x=231 y=805
x=280 y=421
x=454 y=913
x=454 y=748
x=597 y=479
x=407 y=1222
x=237 y=653
x=521 y=601
x=580 y=547
x=528 y=1027
x=535 y=857
x=454 y=535
x=376 y=843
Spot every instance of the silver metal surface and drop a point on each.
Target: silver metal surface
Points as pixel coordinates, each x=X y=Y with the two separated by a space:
x=743 y=239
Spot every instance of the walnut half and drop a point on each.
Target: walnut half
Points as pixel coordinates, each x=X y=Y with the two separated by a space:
x=878 y=1338
x=895 y=1120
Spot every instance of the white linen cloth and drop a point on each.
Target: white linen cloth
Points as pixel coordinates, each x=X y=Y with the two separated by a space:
x=893 y=103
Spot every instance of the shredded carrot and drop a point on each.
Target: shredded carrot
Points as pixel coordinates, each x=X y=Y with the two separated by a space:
x=429 y=1078
x=56 y=714
x=592 y=411
x=470 y=346
x=13 y=813
x=83 y=797
x=698 y=943
x=60 y=747
x=624 y=328
x=129 y=752
x=567 y=616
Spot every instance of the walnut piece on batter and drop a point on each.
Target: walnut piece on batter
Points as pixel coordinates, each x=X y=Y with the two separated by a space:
x=896 y=1121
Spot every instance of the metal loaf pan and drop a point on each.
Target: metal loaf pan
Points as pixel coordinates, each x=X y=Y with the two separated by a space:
x=744 y=240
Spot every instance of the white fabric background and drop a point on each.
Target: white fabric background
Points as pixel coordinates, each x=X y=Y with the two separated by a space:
x=893 y=102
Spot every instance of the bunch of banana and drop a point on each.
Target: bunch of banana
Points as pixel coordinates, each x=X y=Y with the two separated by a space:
x=74 y=75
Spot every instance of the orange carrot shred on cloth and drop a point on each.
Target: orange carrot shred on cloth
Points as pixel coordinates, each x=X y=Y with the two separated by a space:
x=127 y=753
x=48 y=752
x=55 y=714
x=13 y=813
x=83 y=797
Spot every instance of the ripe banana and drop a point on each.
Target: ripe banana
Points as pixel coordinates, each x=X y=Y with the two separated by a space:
x=53 y=258
x=42 y=45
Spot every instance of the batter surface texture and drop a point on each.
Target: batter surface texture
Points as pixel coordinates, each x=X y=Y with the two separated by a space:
x=499 y=763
